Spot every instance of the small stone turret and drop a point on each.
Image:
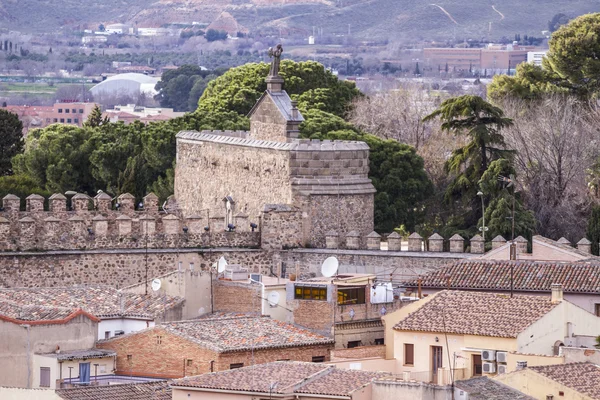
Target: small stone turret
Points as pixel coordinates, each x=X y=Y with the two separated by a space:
x=521 y=243
x=11 y=203
x=57 y=203
x=394 y=242
x=80 y=202
x=564 y=241
x=103 y=202
x=374 y=241
x=498 y=241
x=585 y=245
x=477 y=245
x=415 y=242
x=457 y=244
x=331 y=240
x=34 y=203
x=436 y=243
x=353 y=240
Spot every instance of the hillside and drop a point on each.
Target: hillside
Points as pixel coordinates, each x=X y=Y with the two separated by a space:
x=368 y=19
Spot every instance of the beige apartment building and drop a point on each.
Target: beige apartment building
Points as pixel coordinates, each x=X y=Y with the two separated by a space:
x=71 y=113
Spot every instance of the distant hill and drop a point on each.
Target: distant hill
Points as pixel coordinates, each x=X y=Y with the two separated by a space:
x=366 y=19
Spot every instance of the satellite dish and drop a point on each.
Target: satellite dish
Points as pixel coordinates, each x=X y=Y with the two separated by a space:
x=329 y=267
x=273 y=298
x=221 y=265
x=156 y=283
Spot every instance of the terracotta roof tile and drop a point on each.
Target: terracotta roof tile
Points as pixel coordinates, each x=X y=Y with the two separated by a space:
x=241 y=333
x=290 y=376
x=101 y=301
x=131 y=391
x=483 y=388
x=476 y=313
x=582 y=377
x=576 y=277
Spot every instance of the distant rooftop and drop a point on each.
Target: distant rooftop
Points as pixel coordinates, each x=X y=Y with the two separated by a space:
x=471 y=313
x=230 y=333
x=80 y=354
x=582 y=377
x=291 y=377
x=99 y=300
x=130 y=391
x=576 y=277
x=484 y=388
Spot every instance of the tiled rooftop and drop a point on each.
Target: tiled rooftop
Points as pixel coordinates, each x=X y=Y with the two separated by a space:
x=99 y=300
x=132 y=391
x=476 y=313
x=290 y=376
x=582 y=377
x=239 y=333
x=33 y=312
x=577 y=277
x=80 y=354
x=483 y=388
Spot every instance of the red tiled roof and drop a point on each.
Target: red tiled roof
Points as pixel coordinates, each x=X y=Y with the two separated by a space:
x=245 y=333
x=290 y=377
x=131 y=391
x=101 y=301
x=39 y=315
x=476 y=313
x=576 y=277
x=582 y=377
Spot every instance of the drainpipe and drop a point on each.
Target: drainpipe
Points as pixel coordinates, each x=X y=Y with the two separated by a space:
x=28 y=356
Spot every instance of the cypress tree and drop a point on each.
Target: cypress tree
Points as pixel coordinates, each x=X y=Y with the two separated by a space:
x=593 y=229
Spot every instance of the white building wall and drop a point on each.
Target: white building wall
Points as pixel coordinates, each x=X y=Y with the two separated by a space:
x=122 y=324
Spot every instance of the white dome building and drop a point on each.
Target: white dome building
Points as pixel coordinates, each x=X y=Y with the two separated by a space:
x=130 y=84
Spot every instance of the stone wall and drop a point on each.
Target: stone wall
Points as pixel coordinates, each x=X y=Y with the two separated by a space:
x=282 y=227
x=103 y=227
x=267 y=123
x=252 y=174
x=116 y=268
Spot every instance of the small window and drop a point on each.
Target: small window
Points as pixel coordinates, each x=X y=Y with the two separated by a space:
x=191 y=266
x=310 y=292
x=68 y=120
x=60 y=110
x=561 y=393
x=55 y=120
x=62 y=120
x=159 y=340
x=66 y=110
x=129 y=357
x=354 y=343
x=189 y=362
x=76 y=120
x=73 y=111
x=107 y=335
x=236 y=366
x=597 y=309
x=81 y=111
x=379 y=342
x=44 y=377
x=351 y=295
x=284 y=359
x=409 y=354
x=318 y=359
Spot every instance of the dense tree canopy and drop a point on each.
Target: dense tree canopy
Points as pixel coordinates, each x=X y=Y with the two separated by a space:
x=181 y=88
x=11 y=140
x=571 y=65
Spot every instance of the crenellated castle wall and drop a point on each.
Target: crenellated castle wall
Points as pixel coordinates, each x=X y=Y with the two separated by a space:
x=91 y=224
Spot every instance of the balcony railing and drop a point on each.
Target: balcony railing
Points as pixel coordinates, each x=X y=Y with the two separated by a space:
x=103 y=380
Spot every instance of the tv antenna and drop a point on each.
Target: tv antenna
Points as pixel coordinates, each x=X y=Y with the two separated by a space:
x=221 y=265
x=329 y=267
x=273 y=298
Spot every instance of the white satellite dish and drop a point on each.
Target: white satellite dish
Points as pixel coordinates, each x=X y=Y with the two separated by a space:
x=221 y=265
x=156 y=283
x=273 y=298
x=329 y=267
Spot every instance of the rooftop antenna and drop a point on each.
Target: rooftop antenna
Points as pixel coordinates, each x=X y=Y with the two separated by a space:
x=273 y=298
x=329 y=267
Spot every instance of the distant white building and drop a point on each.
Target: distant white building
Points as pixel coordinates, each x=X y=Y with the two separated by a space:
x=118 y=29
x=153 y=31
x=93 y=39
x=129 y=84
x=535 y=57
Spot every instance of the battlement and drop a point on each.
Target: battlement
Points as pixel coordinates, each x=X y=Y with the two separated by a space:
x=101 y=223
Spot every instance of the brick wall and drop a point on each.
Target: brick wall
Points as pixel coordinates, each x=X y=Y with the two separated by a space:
x=167 y=359
x=312 y=314
x=358 y=352
x=237 y=297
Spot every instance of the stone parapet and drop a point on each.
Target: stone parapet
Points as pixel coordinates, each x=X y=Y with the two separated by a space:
x=374 y=241
x=394 y=241
x=477 y=245
x=331 y=240
x=105 y=228
x=457 y=244
x=436 y=243
x=415 y=242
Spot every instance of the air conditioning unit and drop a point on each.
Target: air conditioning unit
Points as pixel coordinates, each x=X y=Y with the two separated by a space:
x=501 y=357
x=256 y=277
x=489 y=368
x=488 y=355
x=502 y=369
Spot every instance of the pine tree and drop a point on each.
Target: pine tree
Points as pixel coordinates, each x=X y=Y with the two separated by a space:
x=593 y=229
x=95 y=119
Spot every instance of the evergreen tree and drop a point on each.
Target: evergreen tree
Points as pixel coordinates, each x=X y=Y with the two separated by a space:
x=446 y=69
x=95 y=118
x=593 y=229
x=11 y=140
x=417 y=70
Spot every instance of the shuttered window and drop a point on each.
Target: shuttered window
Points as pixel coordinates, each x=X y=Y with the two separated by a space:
x=409 y=354
x=44 y=377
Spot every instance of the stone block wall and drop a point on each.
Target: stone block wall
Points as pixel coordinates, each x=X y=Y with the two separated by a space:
x=106 y=228
x=267 y=123
x=282 y=227
x=252 y=172
x=316 y=159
